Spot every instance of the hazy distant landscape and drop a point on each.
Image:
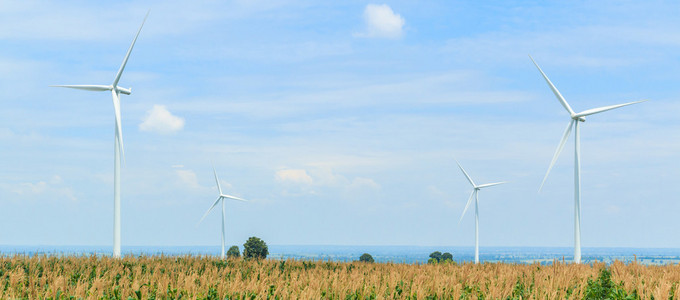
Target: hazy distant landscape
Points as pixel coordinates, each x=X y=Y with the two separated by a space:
x=394 y=254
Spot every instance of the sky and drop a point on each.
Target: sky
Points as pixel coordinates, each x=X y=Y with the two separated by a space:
x=340 y=121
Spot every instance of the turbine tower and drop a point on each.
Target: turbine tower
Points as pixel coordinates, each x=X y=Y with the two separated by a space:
x=575 y=119
x=118 y=141
x=476 y=189
x=221 y=198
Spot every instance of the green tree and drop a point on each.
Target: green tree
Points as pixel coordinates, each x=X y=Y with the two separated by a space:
x=233 y=252
x=366 y=258
x=255 y=248
x=447 y=256
x=436 y=256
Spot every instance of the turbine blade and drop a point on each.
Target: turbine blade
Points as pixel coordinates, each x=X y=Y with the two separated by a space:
x=604 y=108
x=466 y=174
x=211 y=208
x=491 y=184
x=119 y=128
x=467 y=205
x=217 y=180
x=234 y=198
x=557 y=153
x=554 y=89
x=127 y=55
x=97 y=88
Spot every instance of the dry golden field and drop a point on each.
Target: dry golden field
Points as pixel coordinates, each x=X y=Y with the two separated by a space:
x=193 y=277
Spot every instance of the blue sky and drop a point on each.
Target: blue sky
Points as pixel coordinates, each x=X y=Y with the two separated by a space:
x=340 y=121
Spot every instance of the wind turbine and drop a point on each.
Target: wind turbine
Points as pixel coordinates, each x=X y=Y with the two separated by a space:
x=476 y=189
x=221 y=198
x=575 y=118
x=118 y=141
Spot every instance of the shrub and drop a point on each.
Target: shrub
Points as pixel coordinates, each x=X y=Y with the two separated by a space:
x=447 y=256
x=366 y=258
x=233 y=252
x=436 y=256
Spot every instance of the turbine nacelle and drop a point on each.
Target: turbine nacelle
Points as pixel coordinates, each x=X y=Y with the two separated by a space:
x=577 y=118
x=225 y=196
x=124 y=90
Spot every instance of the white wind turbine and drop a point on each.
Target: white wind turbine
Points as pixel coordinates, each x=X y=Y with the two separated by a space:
x=476 y=189
x=574 y=122
x=118 y=142
x=221 y=198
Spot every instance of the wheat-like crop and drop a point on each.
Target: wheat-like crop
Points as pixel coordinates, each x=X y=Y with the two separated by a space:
x=202 y=277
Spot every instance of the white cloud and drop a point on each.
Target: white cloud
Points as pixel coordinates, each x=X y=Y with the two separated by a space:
x=382 y=22
x=160 y=120
x=294 y=175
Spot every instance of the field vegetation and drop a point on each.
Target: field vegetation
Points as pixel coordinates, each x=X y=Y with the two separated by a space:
x=200 y=277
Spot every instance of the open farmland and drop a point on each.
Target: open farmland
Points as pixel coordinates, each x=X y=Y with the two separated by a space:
x=193 y=277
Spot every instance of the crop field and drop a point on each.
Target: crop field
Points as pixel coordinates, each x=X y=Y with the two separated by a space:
x=199 y=277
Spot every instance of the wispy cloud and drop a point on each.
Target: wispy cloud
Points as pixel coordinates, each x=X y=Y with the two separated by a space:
x=298 y=110
x=299 y=176
x=582 y=46
x=188 y=178
x=316 y=180
x=49 y=190
x=362 y=183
